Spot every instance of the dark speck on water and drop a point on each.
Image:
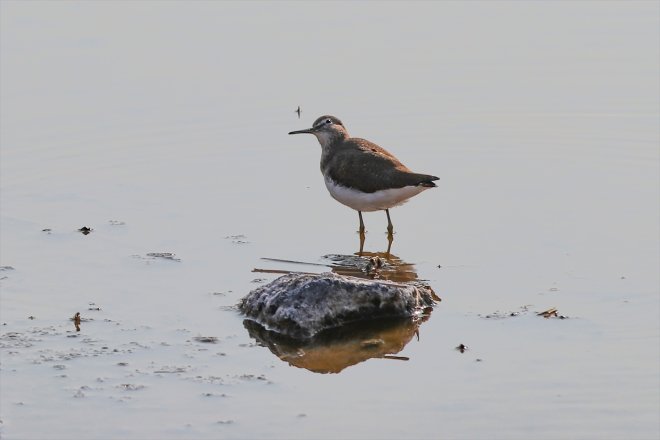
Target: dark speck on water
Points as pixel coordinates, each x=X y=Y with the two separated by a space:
x=206 y=339
x=130 y=387
x=164 y=255
x=85 y=230
x=221 y=293
x=237 y=239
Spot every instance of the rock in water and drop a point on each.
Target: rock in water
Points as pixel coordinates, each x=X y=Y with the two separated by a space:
x=301 y=305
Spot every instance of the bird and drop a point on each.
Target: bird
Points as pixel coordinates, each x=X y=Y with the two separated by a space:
x=361 y=174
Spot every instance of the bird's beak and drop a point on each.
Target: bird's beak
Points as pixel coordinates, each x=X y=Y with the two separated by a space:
x=307 y=130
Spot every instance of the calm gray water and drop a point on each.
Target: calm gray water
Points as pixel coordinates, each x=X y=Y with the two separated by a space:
x=163 y=126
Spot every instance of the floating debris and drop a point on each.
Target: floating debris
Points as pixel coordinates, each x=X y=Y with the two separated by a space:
x=85 y=230
x=237 y=239
x=221 y=293
x=76 y=321
x=215 y=395
x=116 y=223
x=298 y=111
x=130 y=387
x=206 y=339
x=462 y=348
x=168 y=369
x=164 y=255
x=548 y=313
x=500 y=315
x=3 y=269
x=47 y=230
x=251 y=377
x=15 y=340
x=551 y=313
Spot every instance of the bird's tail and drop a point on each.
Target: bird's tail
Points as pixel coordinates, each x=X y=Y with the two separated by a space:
x=427 y=181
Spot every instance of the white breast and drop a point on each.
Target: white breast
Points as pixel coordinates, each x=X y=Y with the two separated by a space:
x=375 y=201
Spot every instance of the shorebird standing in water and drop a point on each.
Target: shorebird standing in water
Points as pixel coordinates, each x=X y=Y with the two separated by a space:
x=362 y=175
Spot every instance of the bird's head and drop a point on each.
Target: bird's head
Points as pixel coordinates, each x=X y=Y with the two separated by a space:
x=327 y=129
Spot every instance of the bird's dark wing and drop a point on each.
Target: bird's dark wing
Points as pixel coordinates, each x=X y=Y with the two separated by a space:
x=365 y=166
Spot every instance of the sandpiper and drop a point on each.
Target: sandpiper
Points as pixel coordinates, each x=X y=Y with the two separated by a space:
x=362 y=175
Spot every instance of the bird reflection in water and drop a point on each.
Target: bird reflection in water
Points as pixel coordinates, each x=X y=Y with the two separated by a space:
x=374 y=265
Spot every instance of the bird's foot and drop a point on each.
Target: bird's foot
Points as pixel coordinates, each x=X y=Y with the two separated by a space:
x=390 y=240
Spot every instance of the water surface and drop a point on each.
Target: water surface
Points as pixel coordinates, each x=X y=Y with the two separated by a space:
x=162 y=126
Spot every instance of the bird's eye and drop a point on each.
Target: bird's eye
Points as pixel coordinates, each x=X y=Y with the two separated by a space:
x=328 y=121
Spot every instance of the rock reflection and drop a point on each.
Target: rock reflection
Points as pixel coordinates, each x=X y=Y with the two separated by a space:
x=332 y=351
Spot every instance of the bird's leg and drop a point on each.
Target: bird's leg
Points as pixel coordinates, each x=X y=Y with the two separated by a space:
x=390 y=227
x=361 y=245
x=390 y=232
x=361 y=231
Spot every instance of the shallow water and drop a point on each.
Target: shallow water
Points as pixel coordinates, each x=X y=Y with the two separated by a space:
x=162 y=126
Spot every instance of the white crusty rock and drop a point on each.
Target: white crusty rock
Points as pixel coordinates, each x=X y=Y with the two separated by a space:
x=302 y=305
